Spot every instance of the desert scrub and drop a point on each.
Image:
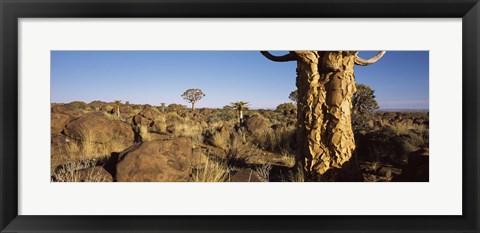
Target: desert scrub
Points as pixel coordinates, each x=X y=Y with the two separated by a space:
x=222 y=116
x=276 y=140
x=212 y=170
x=220 y=140
x=72 y=172
x=87 y=148
x=112 y=117
x=227 y=141
x=186 y=130
x=404 y=127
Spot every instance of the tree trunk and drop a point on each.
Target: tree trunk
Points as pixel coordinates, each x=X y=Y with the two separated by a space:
x=338 y=69
x=118 y=111
x=193 y=106
x=311 y=101
x=325 y=85
x=240 y=116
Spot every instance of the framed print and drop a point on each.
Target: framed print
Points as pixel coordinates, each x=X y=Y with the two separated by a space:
x=315 y=116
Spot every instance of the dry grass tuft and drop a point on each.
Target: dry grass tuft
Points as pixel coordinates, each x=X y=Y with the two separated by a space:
x=275 y=140
x=212 y=171
x=221 y=140
x=111 y=117
x=228 y=141
x=287 y=158
x=89 y=149
x=263 y=172
x=70 y=172
x=88 y=145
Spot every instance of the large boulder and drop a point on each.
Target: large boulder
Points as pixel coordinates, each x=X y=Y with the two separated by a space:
x=156 y=161
x=256 y=124
x=59 y=153
x=97 y=104
x=141 y=120
x=126 y=109
x=67 y=110
x=123 y=133
x=95 y=127
x=417 y=168
x=58 y=122
x=77 y=105
x=149 y=113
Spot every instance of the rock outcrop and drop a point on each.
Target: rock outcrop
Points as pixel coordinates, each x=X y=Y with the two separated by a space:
x=95 y=127
x=156 y=161
x=58 y=122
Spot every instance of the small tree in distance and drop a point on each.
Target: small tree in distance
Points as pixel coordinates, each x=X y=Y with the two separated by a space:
x=117 y=107
x=363 y=106
x=240 y=106
x=293 y=96
x=192 y=96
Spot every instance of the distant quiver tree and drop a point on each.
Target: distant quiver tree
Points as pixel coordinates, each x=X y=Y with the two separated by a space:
x=192 y=96
x=240 y=106
x=117 y=107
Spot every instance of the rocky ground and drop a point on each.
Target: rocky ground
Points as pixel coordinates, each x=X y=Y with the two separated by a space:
x=95 y=142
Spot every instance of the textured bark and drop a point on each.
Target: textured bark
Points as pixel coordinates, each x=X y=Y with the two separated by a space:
x=311 y=104
x=337 y=73
x=326 y=84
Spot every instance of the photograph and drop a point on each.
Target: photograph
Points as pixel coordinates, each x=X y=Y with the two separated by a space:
x=144 y=113
x=239 y=116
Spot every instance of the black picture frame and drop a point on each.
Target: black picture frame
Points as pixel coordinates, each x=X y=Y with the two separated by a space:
x=11 y=11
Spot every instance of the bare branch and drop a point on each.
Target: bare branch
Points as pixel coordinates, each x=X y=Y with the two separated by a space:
x=283 y=58
x=363 y=62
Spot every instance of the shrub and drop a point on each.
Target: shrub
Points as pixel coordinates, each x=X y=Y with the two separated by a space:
x=363 y=107
x=72 y=172
x=178 y=108
x=277 y=140
x=287 y=109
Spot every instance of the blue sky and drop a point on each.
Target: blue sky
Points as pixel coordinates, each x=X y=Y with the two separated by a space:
x=400 y=78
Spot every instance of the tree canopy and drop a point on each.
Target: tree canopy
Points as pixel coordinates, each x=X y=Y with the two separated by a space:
x=363 y=106
x=193 y=95
x=293 y=96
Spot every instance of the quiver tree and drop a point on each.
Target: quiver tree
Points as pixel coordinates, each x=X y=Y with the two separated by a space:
x=117 y=107
x=162 y=107
x=192 y=96
x=363 y=107
x=325 y=83
x=240 y=106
